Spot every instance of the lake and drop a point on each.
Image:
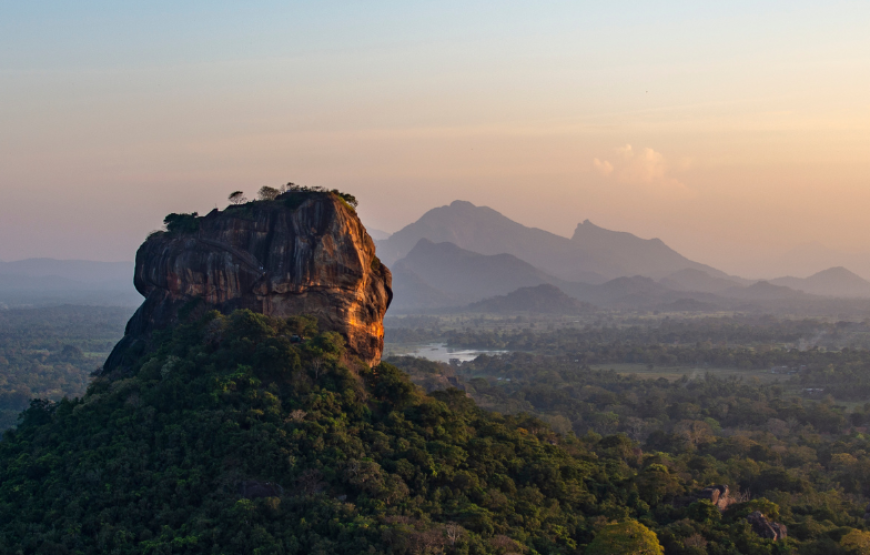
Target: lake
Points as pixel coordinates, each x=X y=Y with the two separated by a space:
x=438 y=352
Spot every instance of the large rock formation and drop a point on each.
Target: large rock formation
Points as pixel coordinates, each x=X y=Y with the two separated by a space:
x=765 y=528
x=303 y=253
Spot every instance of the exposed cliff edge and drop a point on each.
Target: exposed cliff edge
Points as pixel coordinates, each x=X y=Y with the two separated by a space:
x=302 y=253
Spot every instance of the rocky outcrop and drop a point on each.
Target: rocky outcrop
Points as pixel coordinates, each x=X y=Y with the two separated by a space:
x=718 y=496
x=765 y=528
x=303 y=253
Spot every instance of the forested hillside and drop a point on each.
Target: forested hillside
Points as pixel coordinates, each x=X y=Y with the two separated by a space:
x=230 y=438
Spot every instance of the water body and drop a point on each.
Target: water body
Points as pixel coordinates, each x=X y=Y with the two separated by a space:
x=438 y=352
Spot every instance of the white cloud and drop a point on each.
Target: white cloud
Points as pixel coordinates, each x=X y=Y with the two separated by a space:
x=646 y=168
x=626 y=151
x=605 y=168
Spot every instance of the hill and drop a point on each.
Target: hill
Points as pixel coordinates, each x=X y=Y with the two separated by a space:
x=833 y=282
x=443 y=275
x=594 y=255
x=483 y=230
x=646 y=257
x=411 y=292
x=439 y=276
x=215 y=429
x=540 y=299
x=228 y=437
x=447 y=274
x=808 y=259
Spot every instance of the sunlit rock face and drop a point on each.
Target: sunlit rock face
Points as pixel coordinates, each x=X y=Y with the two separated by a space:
x=305 y=253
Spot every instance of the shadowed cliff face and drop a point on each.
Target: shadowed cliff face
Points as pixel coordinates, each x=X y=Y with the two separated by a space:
x=314 y=259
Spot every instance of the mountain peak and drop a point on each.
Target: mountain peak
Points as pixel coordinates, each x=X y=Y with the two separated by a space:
x=453 y=276
x=837 y=271
x=593 y=254
x=833 y=282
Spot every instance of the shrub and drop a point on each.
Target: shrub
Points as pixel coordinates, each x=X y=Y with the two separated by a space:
x=182 y=223
x=268 y=193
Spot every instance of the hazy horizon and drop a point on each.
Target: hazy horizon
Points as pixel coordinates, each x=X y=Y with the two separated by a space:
x=735 y=134
x=790 y=263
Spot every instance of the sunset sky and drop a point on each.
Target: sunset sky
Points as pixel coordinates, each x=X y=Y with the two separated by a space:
x=734 y=132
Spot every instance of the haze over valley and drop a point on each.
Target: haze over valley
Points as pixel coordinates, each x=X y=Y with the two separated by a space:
x=461 y=253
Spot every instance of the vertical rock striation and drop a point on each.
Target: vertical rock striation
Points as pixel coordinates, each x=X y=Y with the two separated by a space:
x=303 y=253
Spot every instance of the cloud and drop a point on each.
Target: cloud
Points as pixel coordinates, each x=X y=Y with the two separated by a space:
x=605 y=168
x=626 y=151
x=646 y=168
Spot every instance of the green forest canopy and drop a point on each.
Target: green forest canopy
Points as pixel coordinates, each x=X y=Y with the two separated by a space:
x=231 y=439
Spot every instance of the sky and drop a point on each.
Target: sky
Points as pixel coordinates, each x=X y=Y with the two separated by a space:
x=738 y=132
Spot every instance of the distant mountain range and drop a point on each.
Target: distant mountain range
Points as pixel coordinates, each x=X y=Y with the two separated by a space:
x=443 y=274
x=807 y=259
x=460 y=254
x=834 y=282
x=83 y=271
x=39 y=281
x=593 y=255
x=633 y=255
